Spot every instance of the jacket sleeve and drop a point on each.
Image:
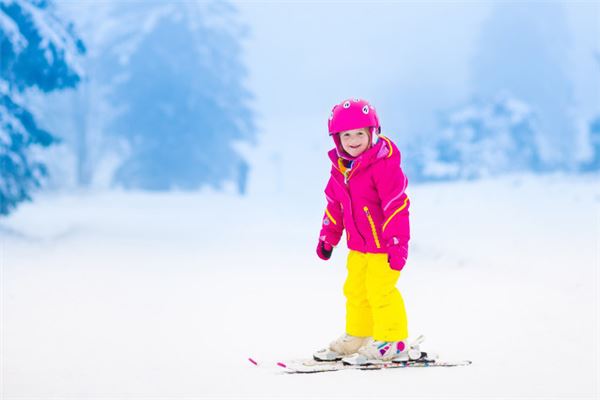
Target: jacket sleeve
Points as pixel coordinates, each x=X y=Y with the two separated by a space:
x=391 y=183
x=333 y=222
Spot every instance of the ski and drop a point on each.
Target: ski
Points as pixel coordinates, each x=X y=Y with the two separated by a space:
x=310 y=366
x=412 y=358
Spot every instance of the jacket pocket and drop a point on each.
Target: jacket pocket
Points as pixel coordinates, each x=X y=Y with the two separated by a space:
x=373 y=230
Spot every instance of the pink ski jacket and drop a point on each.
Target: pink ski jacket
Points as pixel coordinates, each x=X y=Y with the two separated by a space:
x=367 y=200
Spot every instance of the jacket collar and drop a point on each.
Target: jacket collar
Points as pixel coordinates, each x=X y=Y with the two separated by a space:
x=384 y=148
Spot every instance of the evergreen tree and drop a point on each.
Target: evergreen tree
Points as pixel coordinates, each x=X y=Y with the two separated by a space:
x=184 y=105
x=37 y=50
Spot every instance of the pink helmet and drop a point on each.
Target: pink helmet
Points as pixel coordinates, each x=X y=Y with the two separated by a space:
x=353 y=114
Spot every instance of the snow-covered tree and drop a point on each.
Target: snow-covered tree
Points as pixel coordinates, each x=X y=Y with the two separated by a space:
x=593 y=163
x=593 y=138
x=523 y=49
x=37 y=50
x=484 y=139
x=183 y=102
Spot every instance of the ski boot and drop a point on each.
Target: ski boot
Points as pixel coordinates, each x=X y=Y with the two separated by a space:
x=343 y=346
x=377 y=352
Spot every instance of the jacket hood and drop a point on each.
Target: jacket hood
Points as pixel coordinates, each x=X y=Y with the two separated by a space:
x=373 y=135
x=384 y=148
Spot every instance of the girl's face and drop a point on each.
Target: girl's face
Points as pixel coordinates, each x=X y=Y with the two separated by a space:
x=355 y=141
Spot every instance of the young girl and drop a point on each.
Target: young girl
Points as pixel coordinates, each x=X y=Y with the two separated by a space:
x=366 y=197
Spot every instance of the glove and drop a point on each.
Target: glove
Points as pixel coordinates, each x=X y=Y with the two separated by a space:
x=397 y=255
x=324 y=250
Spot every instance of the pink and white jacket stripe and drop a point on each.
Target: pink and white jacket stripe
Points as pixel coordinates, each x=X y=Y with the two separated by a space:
x=369 y=200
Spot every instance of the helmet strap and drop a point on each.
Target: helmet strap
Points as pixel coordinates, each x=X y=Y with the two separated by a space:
x=375 y=135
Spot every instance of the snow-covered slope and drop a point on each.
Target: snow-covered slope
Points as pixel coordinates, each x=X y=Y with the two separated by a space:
x=126 y=295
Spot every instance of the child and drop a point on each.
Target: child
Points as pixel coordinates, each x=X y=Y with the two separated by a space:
x=366 y=196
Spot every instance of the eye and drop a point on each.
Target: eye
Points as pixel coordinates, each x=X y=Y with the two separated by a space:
x=365 y=109
x=346 y=104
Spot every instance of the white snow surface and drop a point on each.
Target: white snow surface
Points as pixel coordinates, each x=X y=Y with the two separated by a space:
x=141 y=295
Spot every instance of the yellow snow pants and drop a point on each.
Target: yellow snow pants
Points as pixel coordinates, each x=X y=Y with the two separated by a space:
x=374 y=306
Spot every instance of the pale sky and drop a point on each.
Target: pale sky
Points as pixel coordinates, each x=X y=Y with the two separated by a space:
x=408 y=57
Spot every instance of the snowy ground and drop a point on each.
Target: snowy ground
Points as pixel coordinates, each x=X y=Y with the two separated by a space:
x=119 y=295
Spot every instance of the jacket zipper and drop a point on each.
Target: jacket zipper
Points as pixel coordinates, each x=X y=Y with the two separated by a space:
x=348 y=173
x=372 y=226
x=345 y=188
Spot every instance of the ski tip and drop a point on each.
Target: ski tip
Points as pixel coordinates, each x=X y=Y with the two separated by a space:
x=282 y=365
x=252 y=361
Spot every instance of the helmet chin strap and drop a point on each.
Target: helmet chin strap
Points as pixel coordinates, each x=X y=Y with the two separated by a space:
x=375 y=135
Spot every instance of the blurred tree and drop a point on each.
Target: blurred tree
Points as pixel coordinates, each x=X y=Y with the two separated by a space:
x=485 y=139
x=523 y=49
x=184 y=105
x=37 y=50
x=593 y=164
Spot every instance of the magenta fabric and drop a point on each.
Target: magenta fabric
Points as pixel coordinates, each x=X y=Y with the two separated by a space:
x=352 y=114
x=324 y=250
x=397 y=256
x=369 y=201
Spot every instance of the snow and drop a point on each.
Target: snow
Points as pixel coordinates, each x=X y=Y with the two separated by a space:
x=16 y=40
x=55 y=36
x=122 y=295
